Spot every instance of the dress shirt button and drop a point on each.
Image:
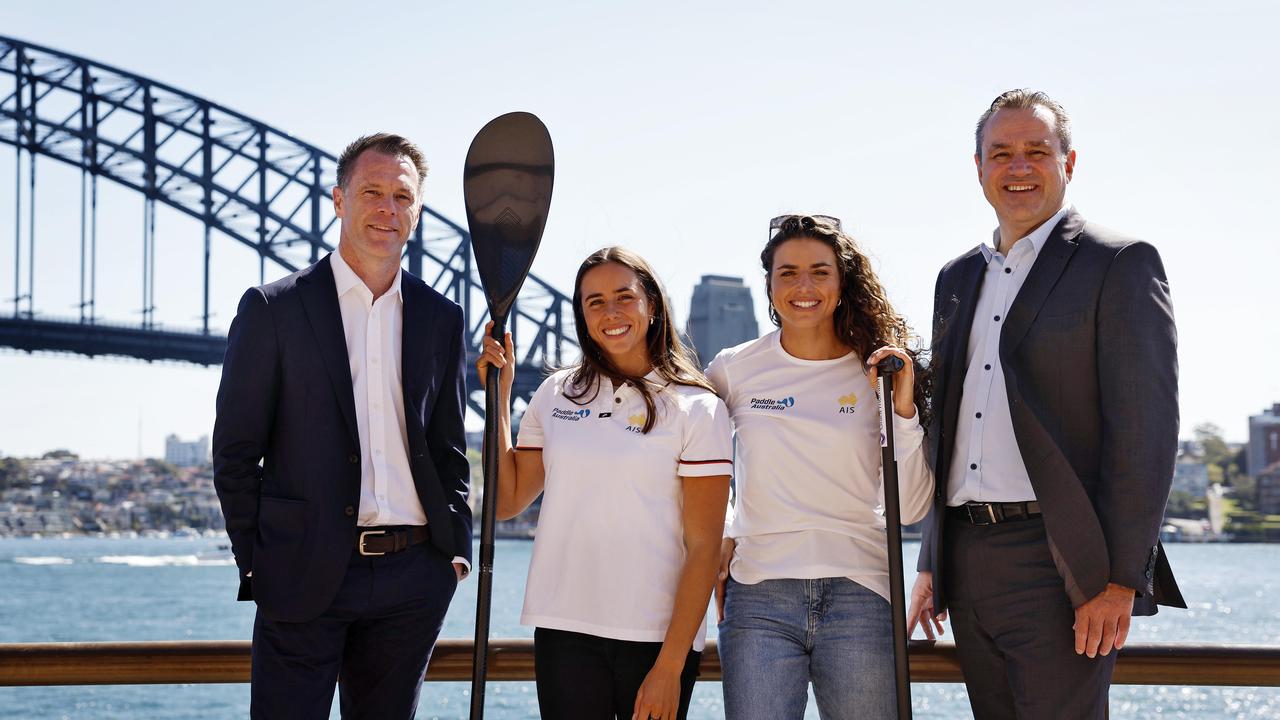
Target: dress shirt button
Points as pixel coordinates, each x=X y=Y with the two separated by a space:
x=997 y=318
x=617 y=400
x=349 y=510
x=973 y=466
x=1008 y=270
x=354 y=459
x=979 y=415
x=986 y=367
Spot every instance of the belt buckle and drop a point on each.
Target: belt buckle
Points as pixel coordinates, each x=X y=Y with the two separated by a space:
x=978 y=519
x=363 y=536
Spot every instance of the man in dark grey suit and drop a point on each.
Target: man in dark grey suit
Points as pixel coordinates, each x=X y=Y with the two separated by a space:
x=1054 y=433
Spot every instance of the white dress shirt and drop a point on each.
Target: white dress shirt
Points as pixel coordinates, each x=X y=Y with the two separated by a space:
x=986 y=465
x=373 y=333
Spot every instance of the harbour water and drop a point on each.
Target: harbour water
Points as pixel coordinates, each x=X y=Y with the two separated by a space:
x=97 y=589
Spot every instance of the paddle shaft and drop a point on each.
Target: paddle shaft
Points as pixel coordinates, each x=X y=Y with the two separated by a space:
x=488 y=517
x=893 y=524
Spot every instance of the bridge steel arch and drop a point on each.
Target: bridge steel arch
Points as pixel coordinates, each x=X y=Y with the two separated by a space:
x=240 y=178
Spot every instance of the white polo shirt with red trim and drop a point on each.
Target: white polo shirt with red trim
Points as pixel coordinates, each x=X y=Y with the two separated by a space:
x=609 y=547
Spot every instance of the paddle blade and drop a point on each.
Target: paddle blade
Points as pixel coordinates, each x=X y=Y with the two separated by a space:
x=506 y=186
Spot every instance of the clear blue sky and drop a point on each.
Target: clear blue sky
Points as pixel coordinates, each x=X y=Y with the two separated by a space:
x=680 y=128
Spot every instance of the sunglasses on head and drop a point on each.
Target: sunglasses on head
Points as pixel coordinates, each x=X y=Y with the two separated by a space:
x=805 y=222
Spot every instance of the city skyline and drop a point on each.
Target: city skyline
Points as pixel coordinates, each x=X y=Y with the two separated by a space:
x=680 y=130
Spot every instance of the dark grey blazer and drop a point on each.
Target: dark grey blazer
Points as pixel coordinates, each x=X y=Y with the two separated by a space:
x=286 y=460
x=1090 y=361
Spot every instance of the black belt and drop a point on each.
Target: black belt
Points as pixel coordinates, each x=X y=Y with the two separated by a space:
x=993 y=513
x=373 y=541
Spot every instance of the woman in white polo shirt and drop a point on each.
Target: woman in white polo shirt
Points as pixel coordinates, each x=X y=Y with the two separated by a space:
x=806 y=570
x=631 y=450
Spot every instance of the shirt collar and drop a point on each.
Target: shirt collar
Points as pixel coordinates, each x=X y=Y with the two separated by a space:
x=345 y=278
x=1038 y=237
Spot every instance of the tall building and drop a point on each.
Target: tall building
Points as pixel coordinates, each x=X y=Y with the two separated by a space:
x=1269 y=490
x=1264 y=440
x=721 y=315
x=186 y=454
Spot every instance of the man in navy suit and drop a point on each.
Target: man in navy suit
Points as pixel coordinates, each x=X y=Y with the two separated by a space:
x=340 y=460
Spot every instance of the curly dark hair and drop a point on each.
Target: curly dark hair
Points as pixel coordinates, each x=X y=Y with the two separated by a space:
x=670 y=358
x=864 y=319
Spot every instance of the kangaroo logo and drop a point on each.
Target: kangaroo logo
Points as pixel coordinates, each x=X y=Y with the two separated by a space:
x=635 y=423
x=847 y=403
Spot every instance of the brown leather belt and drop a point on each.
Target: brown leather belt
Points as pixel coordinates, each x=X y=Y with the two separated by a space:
x=994 y=513
x=374 y=541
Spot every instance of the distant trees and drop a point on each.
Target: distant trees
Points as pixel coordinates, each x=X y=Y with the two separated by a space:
x=1226 y=466
x=13 y=473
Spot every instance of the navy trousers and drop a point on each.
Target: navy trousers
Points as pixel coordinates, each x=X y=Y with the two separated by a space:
x=374 y=642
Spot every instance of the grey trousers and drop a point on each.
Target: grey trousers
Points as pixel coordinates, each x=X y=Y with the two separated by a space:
x=1012 y=624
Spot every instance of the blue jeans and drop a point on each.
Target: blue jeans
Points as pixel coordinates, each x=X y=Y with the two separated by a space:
x=779 y=635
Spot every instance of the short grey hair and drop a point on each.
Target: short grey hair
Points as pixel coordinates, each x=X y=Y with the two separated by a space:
x=1025 y=99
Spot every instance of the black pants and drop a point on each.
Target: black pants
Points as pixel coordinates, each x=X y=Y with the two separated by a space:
x=374 y=641
x=1012 y=624
x=584 y=677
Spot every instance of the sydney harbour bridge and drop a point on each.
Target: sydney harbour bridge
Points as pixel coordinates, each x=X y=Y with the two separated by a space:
x=238 y=182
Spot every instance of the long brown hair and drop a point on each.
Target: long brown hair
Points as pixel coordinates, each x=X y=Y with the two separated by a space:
x=864 y=319
x=671 y=360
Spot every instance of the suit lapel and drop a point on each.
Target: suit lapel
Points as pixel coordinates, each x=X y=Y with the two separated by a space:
x=1050 y=262
x=962 y=288
x=320 y=300
x=415 y=358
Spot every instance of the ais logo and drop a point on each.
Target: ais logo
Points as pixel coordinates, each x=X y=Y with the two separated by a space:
x=848 y=403
x=635 y=423
x=570 y=415
x=771 y=404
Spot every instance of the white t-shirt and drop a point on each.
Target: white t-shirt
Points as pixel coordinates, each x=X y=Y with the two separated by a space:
x=810 y=496
x=610 y=542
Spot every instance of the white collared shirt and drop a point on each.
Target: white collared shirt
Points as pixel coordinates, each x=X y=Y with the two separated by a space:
x=372 y=329
x=986 y=465
x=610 y=546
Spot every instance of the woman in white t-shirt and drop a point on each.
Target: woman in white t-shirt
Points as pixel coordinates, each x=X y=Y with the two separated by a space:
x=631 y=451
x=805 y=575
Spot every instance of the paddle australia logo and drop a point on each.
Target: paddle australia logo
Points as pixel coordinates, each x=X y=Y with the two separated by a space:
x=780 y=404
x=570 y=415
x=847 y=403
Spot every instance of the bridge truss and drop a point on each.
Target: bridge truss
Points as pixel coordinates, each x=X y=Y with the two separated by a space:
x=238 y=177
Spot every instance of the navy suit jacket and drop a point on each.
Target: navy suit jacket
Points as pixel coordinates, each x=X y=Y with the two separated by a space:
x=286 y=456
x=1089 y=351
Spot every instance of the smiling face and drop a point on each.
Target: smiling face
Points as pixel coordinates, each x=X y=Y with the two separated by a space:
x=804 y=284
x=617 y=313
x=379 y=206
x=1022 y=168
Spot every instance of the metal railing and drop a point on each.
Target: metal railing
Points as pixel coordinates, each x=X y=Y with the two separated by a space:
x=141 y=663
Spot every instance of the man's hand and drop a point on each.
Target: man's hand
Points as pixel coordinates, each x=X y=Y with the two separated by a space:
x=1103 y=622
x=722 y=578
x=921 y=610
x=460 y=571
